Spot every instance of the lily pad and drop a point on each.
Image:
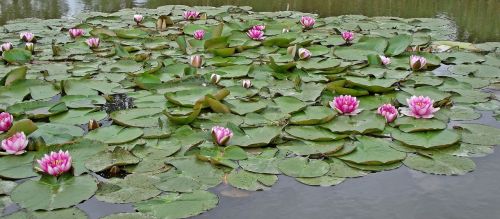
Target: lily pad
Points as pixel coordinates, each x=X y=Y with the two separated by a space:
x=49 y=193
x=442 y=164
x=178 y=205
x=303 y=167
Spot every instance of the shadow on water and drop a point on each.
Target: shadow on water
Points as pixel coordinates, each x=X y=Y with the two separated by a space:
x=476 y=19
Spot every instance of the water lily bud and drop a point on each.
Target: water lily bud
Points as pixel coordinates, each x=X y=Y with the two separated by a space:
x=221 y=135
x=93 y=125
x=388 y=111
x=348 y=36
x=256 y=34
x=55 y=163
x=246 y=83
x=6 y=120
x=199 y=34
x=420 y=107
x=304 y=53
x=385 y=60
x=15 y=144
x=93 y=43
x=75 y=32
x=307 y=22
x=346 y=105
x=285 y=30
x=215 y=78
x=27 y=36
x=417 y=62
x=138 y=18
x=291 y=50
x=6 y=47
x=191 y=15
x=30 y=47
x=196 y=61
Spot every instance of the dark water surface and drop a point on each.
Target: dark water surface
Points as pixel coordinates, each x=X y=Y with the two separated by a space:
x=477 y=20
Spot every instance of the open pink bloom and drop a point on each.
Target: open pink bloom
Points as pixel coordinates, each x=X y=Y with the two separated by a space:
x=259 y=27
x=221 y=135
x=256 y=34
x=15 y=144
x=346 y=105
x=5 y=122
x=6 y=47
x=55 y=163
x=348 y=36
x=199 y=34
x=138 y=18
x=307 y=22
x=196 y=61
x=93 y=42
x=76 y=32
x=385 y=60
x=246 y=83
x=420 y=107
x=417 y=62
x=27 y=36
x=388 y=111
x=191 y=15
x=304 y=53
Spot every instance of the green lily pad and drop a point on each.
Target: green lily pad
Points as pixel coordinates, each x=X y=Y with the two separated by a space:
x=313 y=133
x=255 y=137
x=133 y=188
x=17 y=167
x=442 y=164
x=251 y=181
x=480 y=134
x=410 y=124
x=311 y=148
x=141 y=117
x=49 y=193
x=303 y=167
x=365 y=122
x=373 y=151
x=427 y=139
x=178 y=205
x=114 y=134
x=313 y=115
x=107 y=159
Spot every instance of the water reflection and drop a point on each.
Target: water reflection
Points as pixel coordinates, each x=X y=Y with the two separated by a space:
x=475 y=18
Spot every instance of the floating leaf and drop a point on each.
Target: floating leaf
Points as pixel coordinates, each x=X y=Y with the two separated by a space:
x=303 y=167
x=439 y=163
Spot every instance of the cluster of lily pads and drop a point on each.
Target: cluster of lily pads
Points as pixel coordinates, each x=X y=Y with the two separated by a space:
x=155 y=106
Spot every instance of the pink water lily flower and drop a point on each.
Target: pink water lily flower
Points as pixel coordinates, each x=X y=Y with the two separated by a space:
x=215 y=78
x=346 y=105
x=191 y=15
x=55 y=163
x=6 y=120
x=15 y=144
x=304 y=53
x=256 y=34
x=196 y=61
x=76 y=32
x=246 y=83
x=6 y=47
x=259 y=27
x=93 y=43
x=199 y=34
x=420 y=107
x=385 y=60
x=138 y=18
x=417 y=62
x=221 y=135
x=27 y=36
x=307 y=22
x=348 y=36
x=388 y=111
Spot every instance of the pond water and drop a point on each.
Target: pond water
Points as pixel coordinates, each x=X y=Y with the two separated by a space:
x=475 y=19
